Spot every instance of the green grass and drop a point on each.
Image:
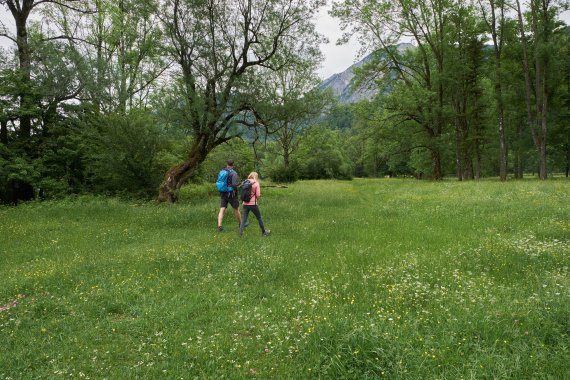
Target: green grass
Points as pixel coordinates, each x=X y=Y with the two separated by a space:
x=362 y=279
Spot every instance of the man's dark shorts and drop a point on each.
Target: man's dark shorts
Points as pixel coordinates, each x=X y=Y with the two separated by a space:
x=230 y=198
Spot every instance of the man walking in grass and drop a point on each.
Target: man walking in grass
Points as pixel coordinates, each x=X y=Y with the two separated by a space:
x=227 y=186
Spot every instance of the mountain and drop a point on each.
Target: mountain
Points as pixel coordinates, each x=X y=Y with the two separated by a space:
x=340 y=83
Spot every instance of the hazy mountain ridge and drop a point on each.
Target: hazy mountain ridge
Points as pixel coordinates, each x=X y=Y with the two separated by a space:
x=340 y=83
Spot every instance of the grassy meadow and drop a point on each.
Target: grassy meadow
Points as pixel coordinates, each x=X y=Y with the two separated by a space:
x=386 y=278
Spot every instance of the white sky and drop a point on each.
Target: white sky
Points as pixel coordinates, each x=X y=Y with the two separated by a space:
x=336 y=58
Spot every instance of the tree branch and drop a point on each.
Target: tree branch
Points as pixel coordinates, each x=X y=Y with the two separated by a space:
x=4 y=32
x=64 y=5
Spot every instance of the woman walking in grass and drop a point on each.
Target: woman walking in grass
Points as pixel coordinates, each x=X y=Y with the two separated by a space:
x=251 y=204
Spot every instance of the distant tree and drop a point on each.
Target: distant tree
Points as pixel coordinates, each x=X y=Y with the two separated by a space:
x=294 y=101
x=123 y=153
x=322 y=155
x=340 y=116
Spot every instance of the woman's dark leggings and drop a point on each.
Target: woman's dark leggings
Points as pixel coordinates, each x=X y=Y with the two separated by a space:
x=256 y=212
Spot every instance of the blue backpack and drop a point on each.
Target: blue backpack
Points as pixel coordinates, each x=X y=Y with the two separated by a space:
x=223 y=182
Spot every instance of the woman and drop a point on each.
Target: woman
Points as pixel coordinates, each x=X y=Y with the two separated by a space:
x=251 y=205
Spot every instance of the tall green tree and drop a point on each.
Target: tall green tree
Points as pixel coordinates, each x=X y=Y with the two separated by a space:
x=219 y=47
x=537 y=69
x=38 y=92
x=463 y=75
x=295 y=102
x=495 y=21
x=21 y=11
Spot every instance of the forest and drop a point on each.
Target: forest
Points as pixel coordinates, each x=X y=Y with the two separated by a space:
x=138 y=98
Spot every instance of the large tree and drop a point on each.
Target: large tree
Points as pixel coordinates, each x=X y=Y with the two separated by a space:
x=495 y=21
x=21 y=11
x=37 y=83
x=463 y=83
x=538 y=52
x=220 y=46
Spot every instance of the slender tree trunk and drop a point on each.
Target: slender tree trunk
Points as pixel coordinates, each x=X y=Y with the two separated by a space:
x=458 y=166
x=497 y=36
x=286 y=146
x=436 y=164
x=568 y=153
x=4 y=131
x=519 y=171
x=25 y=66
x=526 y=72
x=122 y=57
x=478 y=155
x=467 y=162
x=286 y=159
x=503 y=149
x=22 y=190
x=467 y=144
x=503 y=152
x=542 y=149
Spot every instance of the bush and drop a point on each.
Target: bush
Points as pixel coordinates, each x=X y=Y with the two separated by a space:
x=124 y=154
x=281 y=174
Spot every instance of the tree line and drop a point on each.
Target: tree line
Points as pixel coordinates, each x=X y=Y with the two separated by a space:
x=140 y=97
x=484 y=91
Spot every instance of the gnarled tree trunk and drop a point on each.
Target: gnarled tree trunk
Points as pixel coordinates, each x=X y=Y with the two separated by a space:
x=177 y=176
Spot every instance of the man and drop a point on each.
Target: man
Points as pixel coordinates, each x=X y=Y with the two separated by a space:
x=228 y=193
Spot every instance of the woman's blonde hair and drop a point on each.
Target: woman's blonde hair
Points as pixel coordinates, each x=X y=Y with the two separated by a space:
x=254 y=176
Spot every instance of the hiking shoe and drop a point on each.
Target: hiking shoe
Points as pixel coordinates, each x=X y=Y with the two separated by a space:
x=220 y=228
x=266 y=233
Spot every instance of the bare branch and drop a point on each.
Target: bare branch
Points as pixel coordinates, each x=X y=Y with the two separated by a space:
x=4 y=32
x=84 y=11
x=69 y=38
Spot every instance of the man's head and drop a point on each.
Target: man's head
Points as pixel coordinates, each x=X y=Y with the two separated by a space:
x=230 y=163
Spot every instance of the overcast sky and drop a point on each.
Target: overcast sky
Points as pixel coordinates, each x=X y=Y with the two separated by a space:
x=336 y=58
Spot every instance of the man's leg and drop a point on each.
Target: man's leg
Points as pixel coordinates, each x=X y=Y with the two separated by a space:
x=235 y=204
x=237 y=214
x=221 y=216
